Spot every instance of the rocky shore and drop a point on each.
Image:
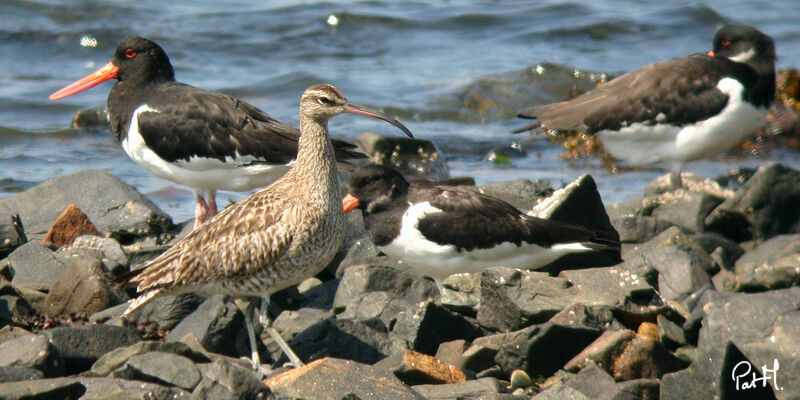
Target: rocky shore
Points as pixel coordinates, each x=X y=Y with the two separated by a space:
x=706 y=296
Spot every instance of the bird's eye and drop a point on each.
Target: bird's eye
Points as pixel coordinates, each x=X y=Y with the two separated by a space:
x=726 y=43
x=325 y=101
x=130 y=53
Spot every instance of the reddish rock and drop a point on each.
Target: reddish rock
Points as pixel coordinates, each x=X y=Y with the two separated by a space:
x=70 y=224
x=415 y=368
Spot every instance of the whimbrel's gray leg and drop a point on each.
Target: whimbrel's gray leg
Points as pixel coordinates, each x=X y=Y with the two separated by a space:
x=267 y=323
x=251 y=335
x=675 y=176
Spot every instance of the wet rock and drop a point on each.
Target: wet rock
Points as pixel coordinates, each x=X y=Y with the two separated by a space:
x=95 y=117
x=82 y=288
x=117 y=357
x=35 y=266
x=81 y=347
x=521 y=193
x=160 y=367
x=360 y=279
x=462 y=293
x=413 y=157
x=32 y=351
x=762 y=208
x=15 y=374
x=227 y=380
x=531 y=349
x=334 y=379
x=12 y=233
x=484 y=388
x=112 y=205
x=341 y=338
x=69 y=225
x=415 y=368
x=428 y=324
x=379 y=310
x=214 y=323
x=41 y=389
x=681 y=263
x=771 y=265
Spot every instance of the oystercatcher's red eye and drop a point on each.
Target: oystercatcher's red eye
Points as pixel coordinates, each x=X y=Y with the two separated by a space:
x=726 y=43
x=130 y=53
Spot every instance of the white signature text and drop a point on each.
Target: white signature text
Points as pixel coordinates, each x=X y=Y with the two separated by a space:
x=741 y=374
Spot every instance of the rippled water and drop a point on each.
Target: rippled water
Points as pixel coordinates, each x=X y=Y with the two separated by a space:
x=424 y=60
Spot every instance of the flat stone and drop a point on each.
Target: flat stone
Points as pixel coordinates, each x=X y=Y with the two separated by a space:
x=591 y=381
x=521 y=193
x=593 y=317
x=686 y=210
x=462 y=293
x=429 y=324
x=483 y=388
x=334 y=379
x=771 y=265
x=224 y=379
x=35 y=266
x=415 y=368
x=16 y=374
x=167 y=311
x=160 y=367
x=123 y=389
x=214 y=323
x=82 y=347
x=41 y=389
x=360 y=279
x=669 y=333
x=344 y=339
x=379 y=310
x=32 y=351
x=83 y=288
x=117 y=357
x=289 y=324
x=69 y=225
x=112 y=205
x=12 y=233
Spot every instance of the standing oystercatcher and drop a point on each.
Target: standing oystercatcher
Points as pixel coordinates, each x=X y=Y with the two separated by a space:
x=678 y=110
x=206 y=140
x=273 y=238
x=443 y=230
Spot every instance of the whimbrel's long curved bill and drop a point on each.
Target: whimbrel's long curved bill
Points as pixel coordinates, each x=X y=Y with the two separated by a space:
x=363 y=110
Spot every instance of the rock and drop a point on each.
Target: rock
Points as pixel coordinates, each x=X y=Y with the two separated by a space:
x=762 y=208
x=690 y=183
x=592 y=381
x=686 y=210
x=160 y=367
x=12 y=233
x=484 y=388
x=648 y=330
x=560 y=391
x=428 y=324
x=412 y=157
x=479 y=356
x=603 y=352
x=214 y=323
x=462 y=293
x=107 y=250
x=633 y=222
x=117 y=357
x=123 y=389
x=167 y=311
x=727 y=251
x=42 y=389
x=35 y=266
x=669 y=333
x=32 y=351
x=520 y=193
x=594 y=317
x=341 y=338
x=12 y=332
x=95 y=117
x=12 y=304
x=15 y=374
x=112 y=205
x=379 y=310
x=228 y=380
x=450 y=352
x=289 y=324
x=360 y=279
x=334 y=379
x=519 y=379
x=636 y=389
x=81 y=347
x=531 y=349
x=771 y=265
x=680 y=262
x=69 y=225
x=415 y=368
x=82 y=288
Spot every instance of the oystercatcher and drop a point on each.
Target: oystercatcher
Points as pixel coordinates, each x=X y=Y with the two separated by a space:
x=273 y=238
x=206 y=140
x=678 y=110
x=443 y=230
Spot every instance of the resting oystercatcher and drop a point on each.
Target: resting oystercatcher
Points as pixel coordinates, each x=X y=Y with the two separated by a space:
x=443 y=230
x=678 y=110
x=206 y=140
x=273 y=238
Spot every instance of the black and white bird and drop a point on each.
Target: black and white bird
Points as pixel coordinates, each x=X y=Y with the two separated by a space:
x=444 y=230
x=678 y=110
x=206 y=140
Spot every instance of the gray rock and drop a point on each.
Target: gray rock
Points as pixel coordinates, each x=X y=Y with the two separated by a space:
x=413 y=157
x=541 y=350
x=559 y=391
x=160 y=367
x=32 y=351
x=670 y=333
x=520 y=193
x=112 y=205
x=81 y=347
x=226 y=380
x=123 y=389
x=111 y=252
x=686 y=210
x=360 y=279
x=12 y=332
x=592 y=317
x=771 y=265
x=379 y=310
x=289 y=324
x=43 y=389
x=83 y=288
x=12 y=304
x=15 y=374
x=35 y=266
x=762 y=208
x=617 y=288
x=214 y=323
x=12 y=233
x=727 y=251
x=462 y=293
x=591 y=381
x=117 y=357
x=450 y=352
x=635 y=389
x=428 y=324
x=634 y=222
x=167 y=311
x=470 y=390
x=341 y=338
x=479 y=356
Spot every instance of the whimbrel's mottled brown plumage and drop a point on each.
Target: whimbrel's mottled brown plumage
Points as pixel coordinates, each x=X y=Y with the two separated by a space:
x=274 y=238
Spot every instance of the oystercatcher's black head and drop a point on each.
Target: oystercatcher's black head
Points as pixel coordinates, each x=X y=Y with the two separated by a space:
x=136 y=60
x=373 y=188
x=745 y=44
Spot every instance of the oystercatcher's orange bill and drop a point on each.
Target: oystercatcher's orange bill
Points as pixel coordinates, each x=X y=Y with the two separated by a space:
x=711 y=53
x=349 y=203
x=109 y=71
